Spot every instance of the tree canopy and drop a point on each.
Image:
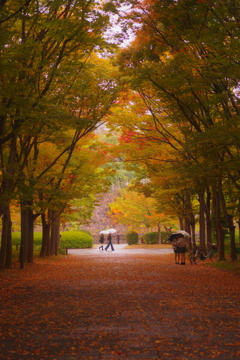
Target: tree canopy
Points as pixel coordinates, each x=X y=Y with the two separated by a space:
x=171 y=97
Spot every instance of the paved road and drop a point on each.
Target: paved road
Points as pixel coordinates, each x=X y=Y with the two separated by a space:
x=119 y=249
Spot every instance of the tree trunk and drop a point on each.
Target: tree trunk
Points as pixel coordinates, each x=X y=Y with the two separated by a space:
x=55 y=235
x=159 y=234
x=31 y=217
x=181 y=223
x=219 y=228
x=27 y=232
x=24 y=233
x=7 y=190
x=238 y=221
x=233 y=250
x=202 y=221
x=230 y=224
x=187 y=228
x=45 y=237
x=192 y=225
x=5 y=237
x=239 y=231
x=8 y=264
x=51 y=215
x=208 y=217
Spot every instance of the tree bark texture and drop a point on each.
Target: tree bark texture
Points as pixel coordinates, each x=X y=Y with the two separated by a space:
x=24 y=233
x=193 y=226
x=202 y=221
x=31 y=217
x=8 y=263
x=55 y=229
x=159 y=234
x=6 y=224
x=219 y=227
x=45 y=237
x=230 y=224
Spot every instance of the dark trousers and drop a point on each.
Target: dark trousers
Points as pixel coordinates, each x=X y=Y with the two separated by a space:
x=109 y=244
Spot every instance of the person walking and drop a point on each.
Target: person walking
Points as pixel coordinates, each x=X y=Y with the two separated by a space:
x=109 y=242
x=101 y=241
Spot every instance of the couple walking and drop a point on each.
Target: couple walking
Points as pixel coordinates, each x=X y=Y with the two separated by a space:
x=109 y=238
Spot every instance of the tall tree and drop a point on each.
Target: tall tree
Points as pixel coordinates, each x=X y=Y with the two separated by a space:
x=44 y=52
x=184 y=65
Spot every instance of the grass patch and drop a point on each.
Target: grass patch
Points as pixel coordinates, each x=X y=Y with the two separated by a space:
x=15 y=253
x=149 y=246
x=230 y=266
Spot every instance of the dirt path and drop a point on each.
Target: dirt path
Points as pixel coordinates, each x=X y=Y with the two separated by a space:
x=121 y=307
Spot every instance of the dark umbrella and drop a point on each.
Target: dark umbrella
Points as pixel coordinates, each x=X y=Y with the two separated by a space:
x=179 y=235
x=173 y=236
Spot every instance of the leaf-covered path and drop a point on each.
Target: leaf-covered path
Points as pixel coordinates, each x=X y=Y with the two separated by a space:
x=113 y=306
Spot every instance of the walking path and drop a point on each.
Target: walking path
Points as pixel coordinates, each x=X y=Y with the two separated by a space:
x=113 y=306
x=119 y=249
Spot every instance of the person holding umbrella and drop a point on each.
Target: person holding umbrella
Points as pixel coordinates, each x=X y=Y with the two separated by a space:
x=179 y=244
x=182 y=244
x=173 y=240
x=109 y=238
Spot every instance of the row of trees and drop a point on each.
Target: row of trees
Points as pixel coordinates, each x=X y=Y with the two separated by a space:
x=178 y=111
x=55 y=91
x=181 y=125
